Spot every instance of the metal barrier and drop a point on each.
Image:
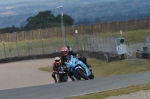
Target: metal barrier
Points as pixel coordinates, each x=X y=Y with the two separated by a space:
x=93 y=43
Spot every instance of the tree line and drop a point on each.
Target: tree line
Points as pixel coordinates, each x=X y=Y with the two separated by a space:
x=42 y=20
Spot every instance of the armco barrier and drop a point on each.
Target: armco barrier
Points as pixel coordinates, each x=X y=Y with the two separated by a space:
x=99 y=55
x=14 y=59
x=142 y=55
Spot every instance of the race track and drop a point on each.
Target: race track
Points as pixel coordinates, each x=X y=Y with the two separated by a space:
x=25 y=73
x=60 y=90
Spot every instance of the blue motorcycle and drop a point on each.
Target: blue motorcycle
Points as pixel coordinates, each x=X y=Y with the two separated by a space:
x=77 y=67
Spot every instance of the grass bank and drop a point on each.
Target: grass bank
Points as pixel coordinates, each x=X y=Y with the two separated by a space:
x=116 y=92
x=102 y=68
x=46 y=46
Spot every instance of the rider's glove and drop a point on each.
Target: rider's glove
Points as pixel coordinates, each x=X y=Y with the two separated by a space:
x=66 y=69
x=55 y=71
x=77 y=55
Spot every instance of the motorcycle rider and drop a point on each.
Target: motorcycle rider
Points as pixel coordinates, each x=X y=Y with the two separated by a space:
x=65 y=51
x=56 y=64
x=83 y=59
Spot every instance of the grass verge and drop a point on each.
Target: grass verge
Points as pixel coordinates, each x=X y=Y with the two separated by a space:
x=115 y=92
x=102 y=68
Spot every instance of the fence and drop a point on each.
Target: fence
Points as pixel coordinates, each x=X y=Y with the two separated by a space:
x=47 y=46
x=83 y=30
x=95 y=42
x=142 y=46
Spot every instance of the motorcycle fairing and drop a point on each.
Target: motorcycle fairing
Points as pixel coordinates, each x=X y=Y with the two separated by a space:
x=75 y=63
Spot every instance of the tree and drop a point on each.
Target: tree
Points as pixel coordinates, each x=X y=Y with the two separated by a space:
x=68 y=20
x=46 y=19
x=9 y=29
x=41 y=20
x=84 y=21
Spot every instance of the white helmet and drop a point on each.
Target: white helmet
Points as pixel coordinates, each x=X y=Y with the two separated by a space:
x=57 y=59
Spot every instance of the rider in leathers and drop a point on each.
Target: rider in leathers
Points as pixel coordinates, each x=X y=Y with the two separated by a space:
x=65 y=52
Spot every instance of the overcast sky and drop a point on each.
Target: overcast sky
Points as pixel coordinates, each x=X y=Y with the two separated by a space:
x=15 y=1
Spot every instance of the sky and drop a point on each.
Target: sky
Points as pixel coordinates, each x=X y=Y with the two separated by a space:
x=15 y=1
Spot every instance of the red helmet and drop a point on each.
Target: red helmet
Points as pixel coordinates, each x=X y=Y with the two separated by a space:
x=64 y=51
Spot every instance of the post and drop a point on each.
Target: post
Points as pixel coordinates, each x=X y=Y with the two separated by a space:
x=76 y=36
x=63 y=31
x=17 y=48
x=16 y=37
x=76 y=32
x=4 y=49
x=7 y=37
x=62 y=25
x=29 y=47
x=32 y=35
x=24 y=36
x=40 y=34
x=147 y=42
x=42 y=46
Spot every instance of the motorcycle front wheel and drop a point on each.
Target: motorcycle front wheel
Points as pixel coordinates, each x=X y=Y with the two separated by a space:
x=81 y=73
x=91 y=76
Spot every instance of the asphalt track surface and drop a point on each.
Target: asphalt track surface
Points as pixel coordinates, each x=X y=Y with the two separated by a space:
x=68 y=89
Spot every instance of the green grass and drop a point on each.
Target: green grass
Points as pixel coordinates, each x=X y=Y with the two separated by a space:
x=48 y=69
x=115 y=92
x=35 y=46
x=102 y=68
x=130 y=36
x=54 y=44
x=134 y=36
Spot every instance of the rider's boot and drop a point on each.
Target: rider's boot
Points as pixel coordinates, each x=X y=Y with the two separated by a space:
x=72 y=78
x=54 y=78
x=89 y=68
x=87 y=65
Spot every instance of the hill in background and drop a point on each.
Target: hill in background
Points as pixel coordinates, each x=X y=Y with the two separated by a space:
x=83 y=11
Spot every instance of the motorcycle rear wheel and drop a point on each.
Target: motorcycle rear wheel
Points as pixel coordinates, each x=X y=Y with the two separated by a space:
x=62 y=78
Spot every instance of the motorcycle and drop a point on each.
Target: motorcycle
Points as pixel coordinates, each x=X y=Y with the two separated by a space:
x=77 y=67
x=62 y=75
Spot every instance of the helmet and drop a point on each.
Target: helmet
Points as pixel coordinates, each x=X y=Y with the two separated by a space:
x=57 y=59
x=68 y=47
x=64 y=51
